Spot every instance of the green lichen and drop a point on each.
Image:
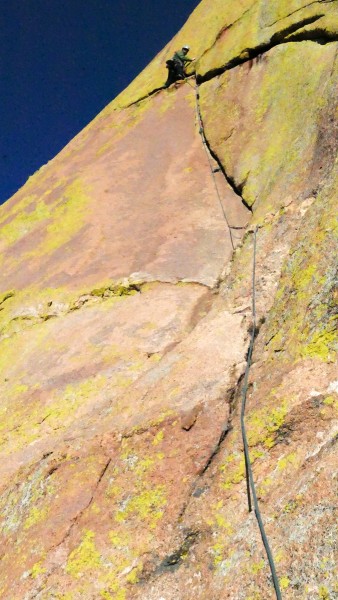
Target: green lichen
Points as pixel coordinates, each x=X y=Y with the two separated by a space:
x=263 y=424
x=6 y=296
x=25 y=421
x=37 y=570
x=234 y=467
x=324 y=593
x=26 y=504
x=289 y=460
x=257 y=567
x=284 y=583
x=35 y=516
x=321 y=344
x=85 y=557
x=146 y=506
x=68 y=217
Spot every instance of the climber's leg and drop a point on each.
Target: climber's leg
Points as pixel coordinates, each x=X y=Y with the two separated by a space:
x=179 y=67
x=171 y=73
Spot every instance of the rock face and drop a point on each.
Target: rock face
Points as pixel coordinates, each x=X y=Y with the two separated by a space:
x=125 y=317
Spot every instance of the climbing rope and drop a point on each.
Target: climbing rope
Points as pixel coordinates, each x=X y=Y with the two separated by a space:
x=207 y=151
x=250 y=484
x=251 y=489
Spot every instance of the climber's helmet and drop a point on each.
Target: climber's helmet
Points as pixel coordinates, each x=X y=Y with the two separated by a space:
x=186 y=49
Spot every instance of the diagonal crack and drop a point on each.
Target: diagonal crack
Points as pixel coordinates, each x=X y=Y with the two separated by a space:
x=175 y=560
x=89 y=503
x=298 y=10
x=237 y=189
x=289 y=34
x=35 y=593
x=227 y=27
x=42 y=586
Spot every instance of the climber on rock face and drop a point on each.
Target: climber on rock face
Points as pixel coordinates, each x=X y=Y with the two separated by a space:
x=176 y=65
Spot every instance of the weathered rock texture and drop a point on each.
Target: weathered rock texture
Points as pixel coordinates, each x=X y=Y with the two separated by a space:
x=125 y=319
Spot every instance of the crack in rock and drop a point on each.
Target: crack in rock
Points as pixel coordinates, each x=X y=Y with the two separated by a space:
x=284 y=36
x=237 y=189
x=298 y=10
x=173 y=561
x=319 y=35
x=127 y=286
x=42 y=587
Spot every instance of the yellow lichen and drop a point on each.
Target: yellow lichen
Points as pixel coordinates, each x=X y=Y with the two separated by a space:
x=37 y=570
x=263 y=424
x=234 y=467
x=115 y=593
x=85 y=557
x=324 y=593
x=289 y=460
x=284 y=583
x=265 y=486
x=279 y=556
x=218 y=553
x=117 y=539
x=158 y=438
x=320 y=345
x=70 y=214
x=35 y=516
x=257 y=567
x=24 y=222
x=145 y=506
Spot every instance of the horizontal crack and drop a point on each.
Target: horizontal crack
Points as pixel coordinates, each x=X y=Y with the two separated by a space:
x=124 y=287
x=285 y=36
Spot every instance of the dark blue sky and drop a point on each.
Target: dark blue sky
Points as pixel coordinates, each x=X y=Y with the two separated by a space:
x=62 y=61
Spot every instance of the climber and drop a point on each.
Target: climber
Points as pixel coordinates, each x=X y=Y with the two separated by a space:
x=176 y=66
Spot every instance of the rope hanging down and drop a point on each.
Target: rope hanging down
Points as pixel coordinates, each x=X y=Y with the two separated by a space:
x=251 y=489
x=206 y=148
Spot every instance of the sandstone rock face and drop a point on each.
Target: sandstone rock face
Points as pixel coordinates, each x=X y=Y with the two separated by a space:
x=125 y=317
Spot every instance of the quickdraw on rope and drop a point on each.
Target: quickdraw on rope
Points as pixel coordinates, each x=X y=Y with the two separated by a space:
x=251 y=489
